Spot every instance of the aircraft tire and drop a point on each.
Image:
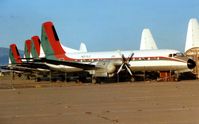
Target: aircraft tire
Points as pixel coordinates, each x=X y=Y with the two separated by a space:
x=132 y=79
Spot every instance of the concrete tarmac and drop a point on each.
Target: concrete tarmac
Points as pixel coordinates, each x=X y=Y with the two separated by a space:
x=117 y=103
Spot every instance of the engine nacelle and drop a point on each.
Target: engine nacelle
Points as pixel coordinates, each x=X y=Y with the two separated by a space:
x=106 y=68
x=110 y=68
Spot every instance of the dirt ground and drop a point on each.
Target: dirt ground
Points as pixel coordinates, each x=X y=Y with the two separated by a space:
x=116 y=103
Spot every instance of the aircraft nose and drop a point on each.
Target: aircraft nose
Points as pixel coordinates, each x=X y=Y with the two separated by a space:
x=191 y=64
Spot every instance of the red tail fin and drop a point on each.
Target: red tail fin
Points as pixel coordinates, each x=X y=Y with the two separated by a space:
x=14 y=54
x=27 y=49
x=35 y=46
x=51 y=43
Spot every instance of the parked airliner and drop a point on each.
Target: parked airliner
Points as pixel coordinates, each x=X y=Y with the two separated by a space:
x=110 y=63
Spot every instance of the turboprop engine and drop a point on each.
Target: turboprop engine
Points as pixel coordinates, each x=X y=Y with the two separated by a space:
x=111 y=68
x=106 y=68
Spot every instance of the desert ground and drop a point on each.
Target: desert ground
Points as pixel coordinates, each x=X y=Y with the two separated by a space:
x=115 y=103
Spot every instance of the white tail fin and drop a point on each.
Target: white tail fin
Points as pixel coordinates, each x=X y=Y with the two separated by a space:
x=69 y=50
x=192 y=39
x=147 y=41
x=83 y=47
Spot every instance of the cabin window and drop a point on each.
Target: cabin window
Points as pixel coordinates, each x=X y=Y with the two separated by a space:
x=170 y=55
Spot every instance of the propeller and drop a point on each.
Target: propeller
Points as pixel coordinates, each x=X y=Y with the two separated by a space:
x=125 y=64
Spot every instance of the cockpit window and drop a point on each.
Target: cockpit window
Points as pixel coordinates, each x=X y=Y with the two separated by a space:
x=176 y=55
x=179 y=55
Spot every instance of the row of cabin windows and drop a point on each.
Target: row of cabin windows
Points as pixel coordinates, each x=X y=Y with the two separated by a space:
x=140 y=58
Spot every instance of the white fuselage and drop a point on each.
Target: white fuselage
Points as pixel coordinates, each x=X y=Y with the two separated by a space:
x=142 y=60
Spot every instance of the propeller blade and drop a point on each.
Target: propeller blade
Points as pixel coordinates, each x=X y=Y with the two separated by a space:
x=120 y=68
x=128 y=69
x=123 y=58
x=131 y=57
x=125 y=62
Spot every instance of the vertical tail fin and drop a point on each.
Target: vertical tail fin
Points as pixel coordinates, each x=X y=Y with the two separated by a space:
x=50 y=42
x=147 y=41
x=83 y=47
x=35 y=50
x=27 y=49
x=192 y=39
x=14 y=55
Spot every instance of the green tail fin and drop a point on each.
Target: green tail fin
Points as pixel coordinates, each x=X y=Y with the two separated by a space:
x=27 y=48
x=50 y=42
x=35 y=47
x=14 y=55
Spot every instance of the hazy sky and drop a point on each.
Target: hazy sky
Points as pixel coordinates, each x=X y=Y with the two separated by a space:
x=101 y=24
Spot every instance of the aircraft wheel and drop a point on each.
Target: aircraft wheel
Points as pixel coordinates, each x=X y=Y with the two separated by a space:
x=94 y=80
x=176 y=77
x=38 y=79
x=132 y=79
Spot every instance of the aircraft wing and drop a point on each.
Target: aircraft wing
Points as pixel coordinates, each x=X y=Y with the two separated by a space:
x=28 y=66
x=18 y=68
x=84 y=66
x=3 y=66
x=33 y=65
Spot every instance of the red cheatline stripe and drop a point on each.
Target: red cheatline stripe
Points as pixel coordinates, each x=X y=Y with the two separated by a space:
x=15 y=53
x=161 y=58
x=36 y=42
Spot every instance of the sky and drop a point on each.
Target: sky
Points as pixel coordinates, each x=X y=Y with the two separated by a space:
x=103 y=25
